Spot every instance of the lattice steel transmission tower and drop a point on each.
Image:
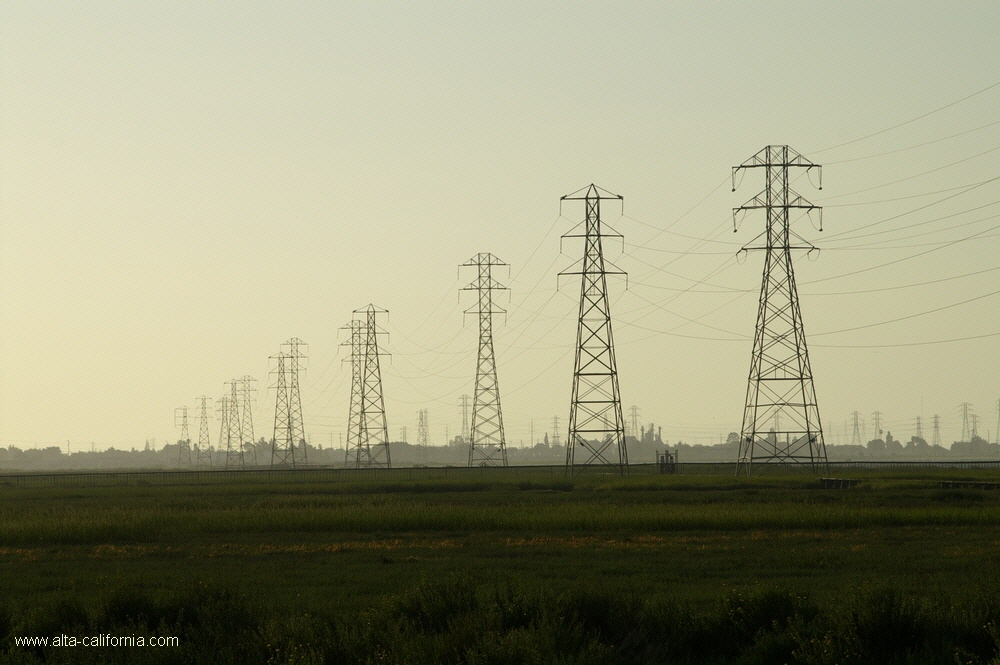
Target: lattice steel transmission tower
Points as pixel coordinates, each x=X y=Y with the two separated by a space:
x=288 y=447
x=968 y=422
x=556 y=438
x=936 y=440
x=248 y=395
x=184 y=445
x=781 y=380
x=204 y=447
x=634 y=418
x=234 y=427
x=877 y=423
x=423 y=435
x=368 y=432
x=920 y=428
x=856 y=436
x=596 y=423
x=487 y=444
x=463 y=405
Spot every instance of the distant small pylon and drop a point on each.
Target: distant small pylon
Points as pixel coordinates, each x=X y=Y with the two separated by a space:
x=184 y=444
x=204 y=447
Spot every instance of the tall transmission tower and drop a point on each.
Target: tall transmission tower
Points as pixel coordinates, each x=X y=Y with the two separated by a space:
x=967 y=426
x=856 y=436
x=781 y=379
x=288 y=447
x=204 y=447
x=556 y=439
x=248 y=395
x=422 y=428
x=936 y=441
x=920 y=428
x=634 y=418
x=181 y=420
x=463 y=405
x=368 y=433
x=877 y=423
x=596 y=423
x=234 y=428
x=487 y=445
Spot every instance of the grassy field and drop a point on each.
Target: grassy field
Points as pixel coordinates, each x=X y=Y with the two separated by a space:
x=776 y=567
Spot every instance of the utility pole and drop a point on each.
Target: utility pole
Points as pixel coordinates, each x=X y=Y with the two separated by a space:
x=596 y=423
x=781 y=379
x=368 y=432
x=856 y=436
x=180 y=420
x=248 y=395
x=487 y=444
x=204 y=449
x=936 y=441
x=288 y=446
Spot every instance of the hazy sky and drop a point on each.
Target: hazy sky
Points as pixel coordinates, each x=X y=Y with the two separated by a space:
x=184 y=186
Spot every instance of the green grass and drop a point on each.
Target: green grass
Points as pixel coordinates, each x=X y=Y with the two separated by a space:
x=302 y=559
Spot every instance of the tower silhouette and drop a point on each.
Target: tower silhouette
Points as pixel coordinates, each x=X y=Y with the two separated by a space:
x=247 y=395
x=184 y=445
x=635 y=417
x=487 y=445
x=596 y=423
x=234 y=428
x=463 y=405
x=877 y=423
x=856 y=436
x=936 y=441
x=423 y=435
x=920 y=428
x=368 y=433
x=204 y=447
x=968 y=423
x=780 y=385
x=288 y=446
x=222 y=410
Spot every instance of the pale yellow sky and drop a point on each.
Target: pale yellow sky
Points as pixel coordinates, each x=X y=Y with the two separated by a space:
x=185 y=186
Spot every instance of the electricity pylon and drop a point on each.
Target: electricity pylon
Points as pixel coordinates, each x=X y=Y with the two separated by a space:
x=856 y=436
x=463 y=405
x=204 y=449
x=596 y=423
x=184 y=445
x=781 y=380
x=248 y=395
x=877 y=423
x=936 y=441
x=635 y=417
x=355 y=342
x=487 y=445
x=556 y=438
x=368 y=432
x=967 y=422
x=234 y=428
x=288 y=447
x=422 y=428
x=920 y=428
x=222 y=411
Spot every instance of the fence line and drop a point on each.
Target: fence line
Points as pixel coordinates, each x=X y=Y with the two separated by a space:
x=334 y=474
